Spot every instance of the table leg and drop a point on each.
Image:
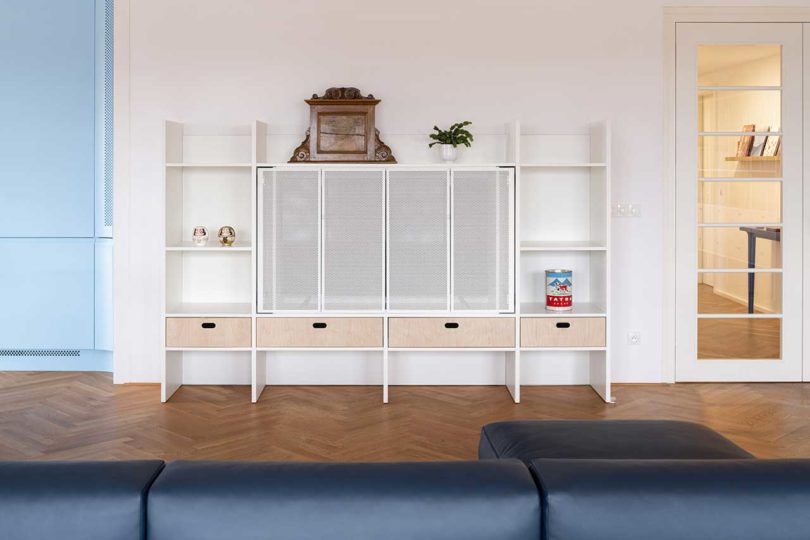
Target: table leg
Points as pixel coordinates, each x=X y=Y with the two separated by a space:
x=752 y=262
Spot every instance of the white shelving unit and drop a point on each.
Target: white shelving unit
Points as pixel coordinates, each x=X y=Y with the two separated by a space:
x=559 y=202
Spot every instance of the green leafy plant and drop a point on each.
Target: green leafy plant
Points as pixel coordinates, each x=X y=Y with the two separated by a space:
x=456 y=135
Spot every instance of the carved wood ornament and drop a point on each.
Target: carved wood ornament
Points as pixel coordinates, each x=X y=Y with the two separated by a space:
x=341 y=130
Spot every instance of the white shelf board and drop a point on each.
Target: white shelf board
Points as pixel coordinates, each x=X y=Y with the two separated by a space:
x=560 y=165
x=210 y=165
x=328 y=165
x=326 y=349
x=212 y=246
x=209 y=349
x=451 y=349
x=202 y=309
x=561 y=246
x=562 y=349
x=581 y=309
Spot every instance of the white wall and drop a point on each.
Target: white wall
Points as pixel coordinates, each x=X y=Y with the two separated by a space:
x=553 y=65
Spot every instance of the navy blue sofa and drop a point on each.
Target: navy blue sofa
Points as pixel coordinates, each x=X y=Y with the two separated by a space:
x=614 y=480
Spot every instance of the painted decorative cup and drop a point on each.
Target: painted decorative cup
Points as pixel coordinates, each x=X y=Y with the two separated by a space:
x=559 y=290
x=449 y=153
x=200 y=236
x=227 y=235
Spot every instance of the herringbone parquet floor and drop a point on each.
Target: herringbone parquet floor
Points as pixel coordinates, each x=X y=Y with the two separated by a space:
x=84 y=416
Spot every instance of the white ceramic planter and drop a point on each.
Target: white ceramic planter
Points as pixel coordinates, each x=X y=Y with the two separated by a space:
x=449 y=153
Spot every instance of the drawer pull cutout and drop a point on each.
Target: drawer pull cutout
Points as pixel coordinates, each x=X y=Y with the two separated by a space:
x=208 y=325
x=563 y=325
x=319 y=325
x=451 y=325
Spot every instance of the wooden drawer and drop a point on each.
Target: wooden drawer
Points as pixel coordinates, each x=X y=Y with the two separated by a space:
x=208 y=332
x=562 y=332
x=457 y=332
x=320 y=332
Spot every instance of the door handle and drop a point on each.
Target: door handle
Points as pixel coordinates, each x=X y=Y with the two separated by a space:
x=451 y=325
x=563 y=325
x=319 y=325
x=208 y=325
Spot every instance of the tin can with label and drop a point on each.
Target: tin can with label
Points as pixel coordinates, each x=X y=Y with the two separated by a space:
x=559 y=290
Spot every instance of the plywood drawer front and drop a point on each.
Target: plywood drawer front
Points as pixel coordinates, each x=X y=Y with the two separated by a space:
x=322 y=332
x=562 y=332
x=208 y=332
x=459 y=332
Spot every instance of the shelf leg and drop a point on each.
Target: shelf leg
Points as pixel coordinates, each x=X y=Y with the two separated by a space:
x=600 y=375
x=259 y=373
x=512 y=374
x=172 y=374
x=385 y=376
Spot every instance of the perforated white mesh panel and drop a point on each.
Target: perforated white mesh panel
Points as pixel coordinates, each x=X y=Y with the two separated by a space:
x=353 y=240
x=482 y=265
x=418 y=229
x=290 y=225
x=109 y=13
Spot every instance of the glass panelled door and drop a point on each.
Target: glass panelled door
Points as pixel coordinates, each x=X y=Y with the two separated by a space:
x=739 y=202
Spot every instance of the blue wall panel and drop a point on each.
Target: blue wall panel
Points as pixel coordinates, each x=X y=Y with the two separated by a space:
x=104 y=294
x=47 y=291
x=47 y=107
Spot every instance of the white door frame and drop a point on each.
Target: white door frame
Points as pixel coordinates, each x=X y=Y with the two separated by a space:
x=673 y=16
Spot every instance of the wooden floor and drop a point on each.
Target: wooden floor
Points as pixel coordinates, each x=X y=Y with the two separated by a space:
x=84 y=416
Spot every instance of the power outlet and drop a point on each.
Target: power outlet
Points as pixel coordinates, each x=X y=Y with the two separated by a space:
x=633 y=338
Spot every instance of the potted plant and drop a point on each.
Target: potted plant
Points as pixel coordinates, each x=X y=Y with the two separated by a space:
x=449 y=139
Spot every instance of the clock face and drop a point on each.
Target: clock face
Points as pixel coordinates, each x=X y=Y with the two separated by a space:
x=342 y=133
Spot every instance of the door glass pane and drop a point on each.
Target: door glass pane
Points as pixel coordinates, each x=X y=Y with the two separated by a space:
x=739 y=247
x=740 y=292
x=739 y=65
x=730 y=156
x=730 y=110
x=720 y=339
x=739 y=202
x=739 y=138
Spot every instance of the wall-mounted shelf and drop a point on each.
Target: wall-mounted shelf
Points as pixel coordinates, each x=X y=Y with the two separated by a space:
x=753 y=158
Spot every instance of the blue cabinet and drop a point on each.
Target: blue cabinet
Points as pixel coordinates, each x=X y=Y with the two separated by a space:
x=47 y=292
x=47 y=106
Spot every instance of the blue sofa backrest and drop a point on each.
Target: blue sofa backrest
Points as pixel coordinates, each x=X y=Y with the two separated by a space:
x=75 y=500
x=674 y=500
x=476 y=500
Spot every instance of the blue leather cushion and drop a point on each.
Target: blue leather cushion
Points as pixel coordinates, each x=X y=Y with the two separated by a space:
x=342 y=501
x=604 y=439
x=674 y=499
x=79 y=500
